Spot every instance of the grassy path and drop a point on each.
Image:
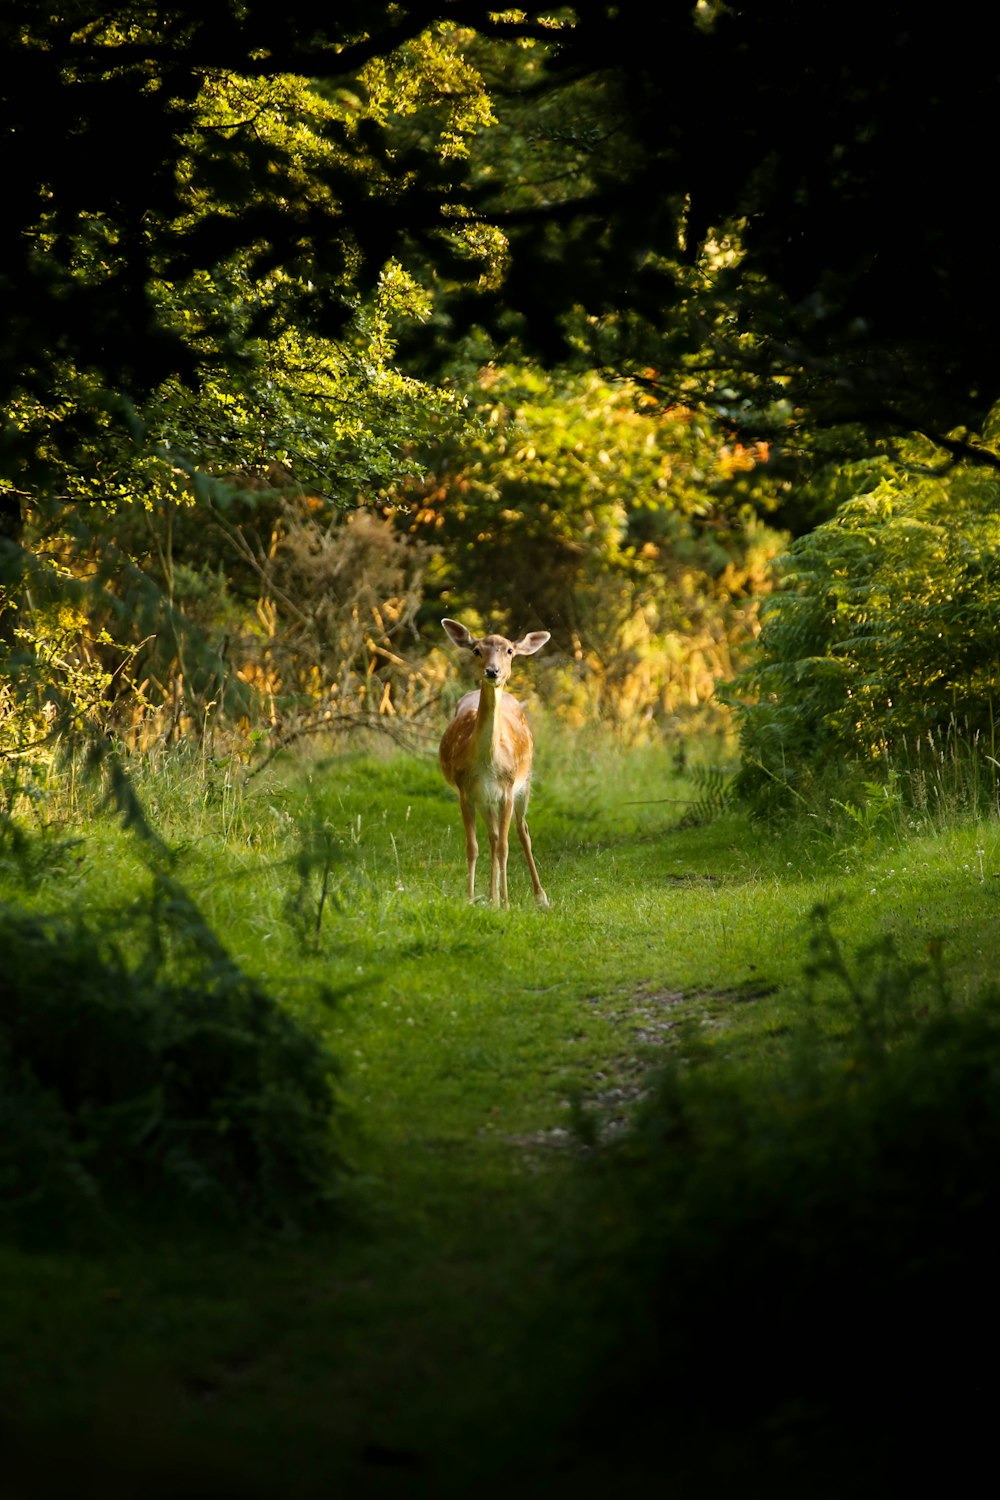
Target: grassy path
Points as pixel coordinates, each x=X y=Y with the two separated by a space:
x=427 y=1348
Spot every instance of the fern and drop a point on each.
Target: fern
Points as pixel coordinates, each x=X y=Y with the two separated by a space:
x=881 y=632
x=714 y=787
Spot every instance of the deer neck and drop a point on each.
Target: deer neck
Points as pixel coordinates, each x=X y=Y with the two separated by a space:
x=489 y=716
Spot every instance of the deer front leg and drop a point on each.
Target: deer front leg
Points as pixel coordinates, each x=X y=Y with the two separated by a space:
x=503 y=844
x=471 y=842
x=493 y=828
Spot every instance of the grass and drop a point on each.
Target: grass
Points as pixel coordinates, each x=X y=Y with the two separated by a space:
x=429 y=1344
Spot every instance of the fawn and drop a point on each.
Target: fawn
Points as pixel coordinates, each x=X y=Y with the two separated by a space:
x=486 y=754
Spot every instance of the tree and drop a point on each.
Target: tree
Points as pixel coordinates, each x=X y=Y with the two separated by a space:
x=775 y=208
x=781 y=203
x=171 y=336
x=256 y=222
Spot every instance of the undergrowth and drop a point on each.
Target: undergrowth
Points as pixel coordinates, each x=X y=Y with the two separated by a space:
x=792 y=1264
x=139 y=1061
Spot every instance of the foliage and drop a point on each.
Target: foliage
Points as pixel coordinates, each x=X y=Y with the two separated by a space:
x=312 y=194
x=249 y=618
x=877 y=645
x=338 y=415
x=633 y=535
x=762 y=274
x=212 y=341
x=139 y=1061
x=573 y=172
x=88 y=628
x=333 y=419
x=331 y=644
x=262 y=394
x=53 y=657
x=836 y=1206
x=248 y=171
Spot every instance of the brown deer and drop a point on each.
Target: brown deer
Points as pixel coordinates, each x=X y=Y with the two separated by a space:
x=486 y=754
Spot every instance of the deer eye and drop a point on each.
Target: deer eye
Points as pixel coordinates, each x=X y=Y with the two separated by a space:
x=476 y=651
x=510 y=650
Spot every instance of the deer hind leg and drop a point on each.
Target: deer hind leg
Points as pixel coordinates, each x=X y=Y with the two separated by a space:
x=525 y=837
x=471 y=842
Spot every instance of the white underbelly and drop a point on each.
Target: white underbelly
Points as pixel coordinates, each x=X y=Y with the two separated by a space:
x=490 y=793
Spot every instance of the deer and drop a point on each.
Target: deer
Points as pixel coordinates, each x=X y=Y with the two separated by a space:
x=486 y=754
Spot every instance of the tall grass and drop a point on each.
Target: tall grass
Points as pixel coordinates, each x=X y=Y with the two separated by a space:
x=950 y=775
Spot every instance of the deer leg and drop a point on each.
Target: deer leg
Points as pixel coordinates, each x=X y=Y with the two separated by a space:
x=525 y=837
x=503 y=843
x=471 y=842
x=493 y=827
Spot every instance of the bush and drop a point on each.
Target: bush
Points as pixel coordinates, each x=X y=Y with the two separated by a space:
x=879 y=641
x=167 y=1074
x=796 y=1270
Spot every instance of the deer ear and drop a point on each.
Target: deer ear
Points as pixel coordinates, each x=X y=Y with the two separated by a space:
x=529 y=644
x=459 y=634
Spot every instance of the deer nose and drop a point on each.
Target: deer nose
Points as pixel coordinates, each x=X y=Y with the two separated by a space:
x=492 y=672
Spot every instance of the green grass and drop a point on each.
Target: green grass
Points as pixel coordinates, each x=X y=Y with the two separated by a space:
x=427 y=1344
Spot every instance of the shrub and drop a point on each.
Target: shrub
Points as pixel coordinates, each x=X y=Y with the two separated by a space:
x=792 y=1266
x=137 y=1060
x=879 y=640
